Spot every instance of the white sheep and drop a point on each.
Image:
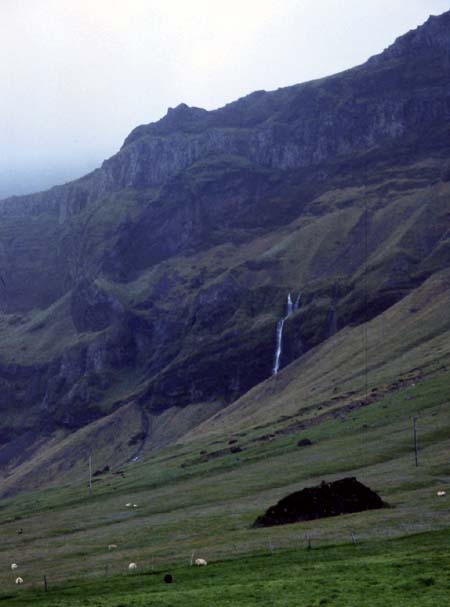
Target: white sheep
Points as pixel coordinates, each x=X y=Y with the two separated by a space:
x=200 y=562
x=112 y=546
x=135 y=505
x=440 y=493
x=19 y=580
x=128 y=505
x=132 y=566
x=14 y=566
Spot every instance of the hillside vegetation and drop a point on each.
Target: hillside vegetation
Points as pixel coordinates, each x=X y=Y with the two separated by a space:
x=140 y=311
x=200 y=496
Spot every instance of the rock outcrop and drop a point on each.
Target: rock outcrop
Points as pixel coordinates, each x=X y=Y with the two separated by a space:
x=344 y=496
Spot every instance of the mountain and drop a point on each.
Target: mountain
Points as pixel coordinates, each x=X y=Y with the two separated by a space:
x=140 y=303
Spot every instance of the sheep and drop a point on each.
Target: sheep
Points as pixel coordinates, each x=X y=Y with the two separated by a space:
x=132 y=566
x=112 y=546
x=128 y=505
x=440 y=493
x=14 y=566
x=135 y=505
x=200 y=562
x=19 y=580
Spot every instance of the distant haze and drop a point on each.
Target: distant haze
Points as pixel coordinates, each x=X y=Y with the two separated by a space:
x=77 y=76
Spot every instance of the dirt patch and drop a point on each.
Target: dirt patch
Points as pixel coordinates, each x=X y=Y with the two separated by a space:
x=344 y=496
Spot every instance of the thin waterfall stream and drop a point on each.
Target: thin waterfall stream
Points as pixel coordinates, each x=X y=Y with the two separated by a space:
x=279 y=335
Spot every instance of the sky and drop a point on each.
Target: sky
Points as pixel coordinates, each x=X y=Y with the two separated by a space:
x=78 y=75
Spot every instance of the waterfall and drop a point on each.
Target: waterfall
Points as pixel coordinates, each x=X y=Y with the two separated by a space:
x=279 y=336
x=276 y=364
x=297 y=301
x=289 y=306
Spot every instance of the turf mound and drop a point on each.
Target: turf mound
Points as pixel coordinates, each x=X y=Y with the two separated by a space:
x=327 y=499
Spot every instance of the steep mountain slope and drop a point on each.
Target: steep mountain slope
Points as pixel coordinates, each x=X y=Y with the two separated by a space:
x=360 y=366
x=355 y=368
x=145 y=296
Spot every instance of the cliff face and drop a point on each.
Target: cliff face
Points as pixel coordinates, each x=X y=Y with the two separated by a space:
x=306 y=124
x=159 y=278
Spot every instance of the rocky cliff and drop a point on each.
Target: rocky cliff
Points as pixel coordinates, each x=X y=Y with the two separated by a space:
x=158 y=280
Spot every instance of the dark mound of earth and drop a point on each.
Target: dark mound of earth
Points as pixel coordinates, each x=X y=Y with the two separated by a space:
x=327 y=499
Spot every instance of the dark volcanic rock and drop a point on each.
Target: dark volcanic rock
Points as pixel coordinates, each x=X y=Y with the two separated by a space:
x=328 y=499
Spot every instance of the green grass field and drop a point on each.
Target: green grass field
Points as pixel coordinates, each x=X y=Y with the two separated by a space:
x=412 y=572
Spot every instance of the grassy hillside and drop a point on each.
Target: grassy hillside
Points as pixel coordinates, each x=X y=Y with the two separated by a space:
x=406 y=344
x=199 y=496
x=409 y=340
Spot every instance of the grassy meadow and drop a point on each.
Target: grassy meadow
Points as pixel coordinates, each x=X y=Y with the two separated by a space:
x=412 y=571
x=200 y=498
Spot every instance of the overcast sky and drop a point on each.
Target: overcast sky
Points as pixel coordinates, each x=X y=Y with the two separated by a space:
x=78 y=75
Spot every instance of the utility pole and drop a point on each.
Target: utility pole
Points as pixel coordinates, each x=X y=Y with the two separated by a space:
x=90 y=475
x=416 y=450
